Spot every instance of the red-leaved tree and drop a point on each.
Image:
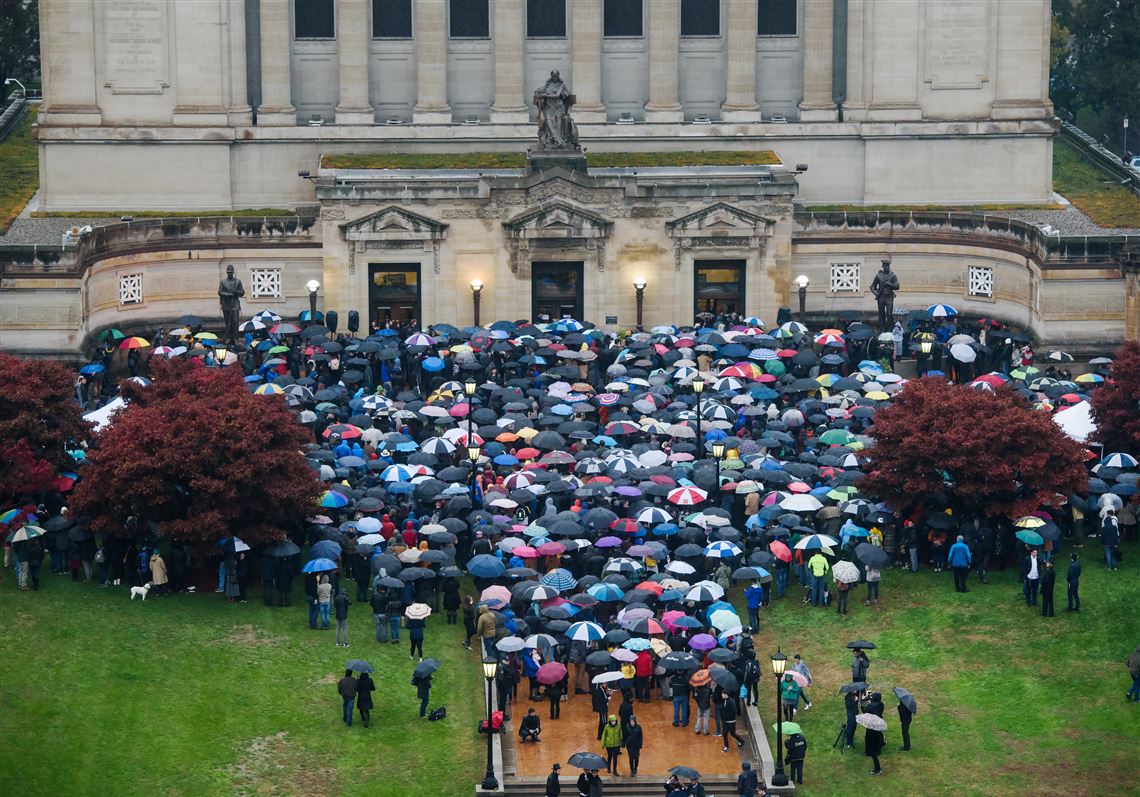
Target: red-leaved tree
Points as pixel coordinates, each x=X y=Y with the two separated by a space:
x=200 y=456
x=987 y=451
x=39 y=418
x=1116 y=404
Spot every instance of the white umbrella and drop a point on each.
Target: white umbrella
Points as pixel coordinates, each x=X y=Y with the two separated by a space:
x=607 y=678
x=872 y=722
x=963 y=353
x=845 y=572
x=802 y=502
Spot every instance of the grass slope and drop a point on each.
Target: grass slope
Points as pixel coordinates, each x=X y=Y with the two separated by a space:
x=21 y=162
x=192 y=696
x=1097 y=194
x=1011 y=704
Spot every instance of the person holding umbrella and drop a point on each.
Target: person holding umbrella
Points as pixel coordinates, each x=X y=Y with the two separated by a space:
x=421 y=680
x=796 y=746
x=800 y=666
x=789 y=696
x=873 y=740
x=907 y=708
x=365 y=686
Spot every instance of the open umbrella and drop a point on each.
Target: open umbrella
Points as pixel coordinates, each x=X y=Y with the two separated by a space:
x=587 y=760
x=854 y=687
x=872 y=722
x=356 y=665
x=790 y=728
x=607 y=678
x=426 y=668
x=685 y=772
x=418 y=611
x=845 y=572
x=906 y=698
x=872 y=555
x=861 y=644
x=319 y=566
x=551 y=673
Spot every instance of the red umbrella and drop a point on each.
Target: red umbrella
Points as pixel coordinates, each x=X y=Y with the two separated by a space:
x=780 y=551
x=528 y=453
x=626 y=526
x=551 y=549
x=651 y=586
x=551 y=673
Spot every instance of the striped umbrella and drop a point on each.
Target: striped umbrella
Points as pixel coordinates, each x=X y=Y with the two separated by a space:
x=687 y=496
x=560 y=579
x=722 y=549
x=653 y=515
x=607 y=592
x=135 y=343
x=396 y=473
x=585 y=631
x=419 y=339
x=1119 y=461
x=941 y=310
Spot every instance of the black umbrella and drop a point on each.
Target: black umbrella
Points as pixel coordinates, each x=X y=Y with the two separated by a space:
x=679 y=660
x=872 y=555
x=723 y=655
x=861 y=644
x=600 y=658
x=58 y=523
x=685 y=772
x=907 y=699
x=587 y=760
x=356 y=665
x=282 y=549
x=854 y=686
x=939 y=520
x=387 y=582
x=426 y=668
x=725 y=680
x=78 y=534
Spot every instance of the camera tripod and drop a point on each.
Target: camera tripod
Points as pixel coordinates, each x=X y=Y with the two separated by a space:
x=841 y=739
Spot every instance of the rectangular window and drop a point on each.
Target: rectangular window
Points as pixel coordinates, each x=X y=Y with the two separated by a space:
x=394 y=292
x=621 y=18
x=391 y=19
x=846 y=278
x=981 y=281
x=264 y=282
x=313 y=19
x=130 y=289
x=776 y=17
x=718 y=286
x=556 y=290
x=470 y=19
x=700 y=17
x=546 y=19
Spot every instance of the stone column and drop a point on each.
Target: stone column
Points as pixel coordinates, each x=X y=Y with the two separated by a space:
x=817 y=105
x=855 y=106
x=430 y=29
x=586 y=60
x=664 y=44
x=67 y=37
x=239 y=110
x=353 y=35
x=201 y=65
x=740 y=74
x=276 y=107
x=509 y=106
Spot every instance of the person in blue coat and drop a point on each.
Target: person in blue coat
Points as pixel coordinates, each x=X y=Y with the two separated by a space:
x=959 y=559
x=754 y=594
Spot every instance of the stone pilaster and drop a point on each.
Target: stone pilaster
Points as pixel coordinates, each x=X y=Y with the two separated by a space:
x=855 y=104
x=353 y=34
x=276 y=107
x=740 y=73
x=67 y=52
x=817 y=104
x=239 y=112
x=586 y=60
x=430 y=29
x=509 y=106
x=664 y=46
x=201 y=68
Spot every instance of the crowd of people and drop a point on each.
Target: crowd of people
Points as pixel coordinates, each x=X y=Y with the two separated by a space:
x=604 y=492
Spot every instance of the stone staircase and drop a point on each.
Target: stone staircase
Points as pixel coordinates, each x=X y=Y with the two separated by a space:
x=640 y=786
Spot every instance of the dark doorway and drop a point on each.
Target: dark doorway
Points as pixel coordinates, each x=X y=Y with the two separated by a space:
x=394 y=292
x=556 y=290
x=719 y=286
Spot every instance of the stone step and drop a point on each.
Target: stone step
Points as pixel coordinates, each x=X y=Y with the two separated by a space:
x=640 y=786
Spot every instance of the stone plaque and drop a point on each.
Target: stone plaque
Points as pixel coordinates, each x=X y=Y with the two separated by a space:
x=957 y=43
x=135 y=56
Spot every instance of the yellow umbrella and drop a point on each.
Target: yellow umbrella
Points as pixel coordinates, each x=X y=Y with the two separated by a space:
x=1029 y=522
x=206 y=336
x=527 y=433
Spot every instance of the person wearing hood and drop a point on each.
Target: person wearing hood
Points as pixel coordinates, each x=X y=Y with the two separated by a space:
x=485 y=628
x=634 y=739
x=796 y=747
x=747 y=782
x=873 y=741
x=612 y=741
x=365 y=686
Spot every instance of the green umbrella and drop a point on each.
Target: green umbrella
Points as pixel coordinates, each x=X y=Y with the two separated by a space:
x=837 y=437
x=111 y=335
x=1030 y=537
x=790 y=728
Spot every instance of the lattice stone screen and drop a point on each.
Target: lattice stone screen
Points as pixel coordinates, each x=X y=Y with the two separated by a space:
x=264 y=282
x=130 y=289
x=981 y=281
x=846 y=277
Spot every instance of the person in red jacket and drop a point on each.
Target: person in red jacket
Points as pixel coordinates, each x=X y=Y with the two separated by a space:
x=387 y=528
x=643 y=669
x=409 y=534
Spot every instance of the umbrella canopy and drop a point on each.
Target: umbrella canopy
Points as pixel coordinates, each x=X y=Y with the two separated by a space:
x=419 y=611
x=861 y=644
x=587 y=760
x=906 y=698
x=356 y=665
x=871 y=722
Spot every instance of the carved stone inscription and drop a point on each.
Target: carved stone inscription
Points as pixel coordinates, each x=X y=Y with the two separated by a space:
x=135 y=36
x=957 y=43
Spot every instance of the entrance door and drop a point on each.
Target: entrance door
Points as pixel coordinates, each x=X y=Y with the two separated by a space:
x=556 y=290
x=719 y=286
x=394 y=292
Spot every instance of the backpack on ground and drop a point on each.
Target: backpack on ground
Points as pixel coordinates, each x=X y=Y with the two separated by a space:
x=437 y=714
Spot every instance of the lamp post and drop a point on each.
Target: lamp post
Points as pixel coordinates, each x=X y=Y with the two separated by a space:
x=473 y=456
x=639 y=286
x=476 y=295
x=802 y=283
x=470 y=387
x=313 y=287
x=220 y=353
x=490 y=783
x=718 y=454
x=779 y=662
x=698 y=388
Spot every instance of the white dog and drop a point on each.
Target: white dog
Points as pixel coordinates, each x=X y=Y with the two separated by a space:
x=140 y=592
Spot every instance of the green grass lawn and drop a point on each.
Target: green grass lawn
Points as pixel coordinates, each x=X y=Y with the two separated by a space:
x=190 y=695
x=193 y=696
x=1093 y=191
x=1010 y=703
x=21 y=162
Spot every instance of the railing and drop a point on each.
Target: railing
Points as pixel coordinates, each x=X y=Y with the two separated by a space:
x=12 y=116
x=1101 y=157
x=155 y=235
x=1052 y=250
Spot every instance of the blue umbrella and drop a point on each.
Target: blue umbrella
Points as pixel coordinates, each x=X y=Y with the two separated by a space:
x=318 y=566
x=687 y=622
x=485 y=566
x=93 y=368
x=559 y=578
x=505 y=459
x=665 y=529
x=432 y=364
x=325 y=549
x=605 y=591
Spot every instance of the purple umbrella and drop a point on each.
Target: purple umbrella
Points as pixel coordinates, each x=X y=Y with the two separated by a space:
x=629 y=492
x=608 y=542
x=702 y=642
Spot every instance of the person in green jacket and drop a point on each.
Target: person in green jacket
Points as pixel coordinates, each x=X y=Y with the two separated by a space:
x=612 y=741
x=789 y=696
x=818 y=566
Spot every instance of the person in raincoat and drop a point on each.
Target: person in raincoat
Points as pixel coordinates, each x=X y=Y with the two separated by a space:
x=158 y=575
x=612 y=742
x=365 y=686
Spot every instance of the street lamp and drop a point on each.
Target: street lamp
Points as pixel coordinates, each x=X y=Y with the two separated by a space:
x=925 y=343
x=779 y=662
x=220 y=353
x=490 y=783
x=802 y=283
x=473 y=456
x=470 y=387
x=639 y=286
x=718 y=455
x=313 y=287
x=698 y=388
x=476 y=294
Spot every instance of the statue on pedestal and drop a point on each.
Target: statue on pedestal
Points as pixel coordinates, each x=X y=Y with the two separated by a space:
x=556 y=130
x=883 y=288
x=230 y=291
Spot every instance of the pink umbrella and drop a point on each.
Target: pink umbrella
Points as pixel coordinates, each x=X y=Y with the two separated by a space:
x=551 y=549
x=459 y=410
x=496 y=594
x=525 y=552
x=551 y=673
x=798 y=677
x=625 y=655
x=780 y=551
x=702 y=642
x=668 y=618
